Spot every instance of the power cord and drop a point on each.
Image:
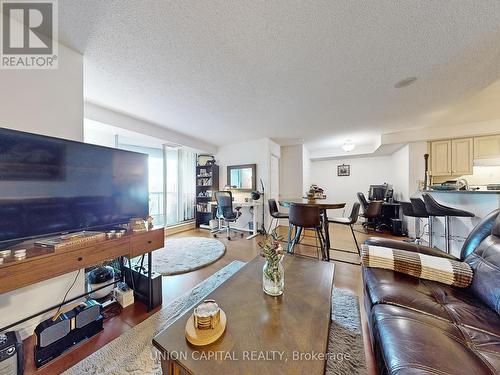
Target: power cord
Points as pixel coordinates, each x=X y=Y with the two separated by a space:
x=56 y=315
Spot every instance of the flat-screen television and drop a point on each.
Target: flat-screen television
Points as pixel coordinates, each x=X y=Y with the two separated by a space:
x=50 y=186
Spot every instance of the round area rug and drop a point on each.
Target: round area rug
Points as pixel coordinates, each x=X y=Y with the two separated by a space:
x=181 y=255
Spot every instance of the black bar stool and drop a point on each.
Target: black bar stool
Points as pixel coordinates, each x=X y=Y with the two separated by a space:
x=306 y=217
x=275 y=213
x=436 y=209
x=420 y=211
x=409 y=210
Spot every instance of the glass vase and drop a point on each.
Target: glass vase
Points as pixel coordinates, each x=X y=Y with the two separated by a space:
x=273 y=278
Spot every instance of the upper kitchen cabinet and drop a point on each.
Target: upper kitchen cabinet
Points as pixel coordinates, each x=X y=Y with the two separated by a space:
x=462 y=156
x=441 y=158
x=452 y=157
x=487 y=147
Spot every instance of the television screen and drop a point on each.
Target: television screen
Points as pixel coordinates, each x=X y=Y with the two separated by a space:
x=50 y=186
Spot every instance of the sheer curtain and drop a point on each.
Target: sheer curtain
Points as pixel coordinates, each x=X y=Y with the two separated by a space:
x=187 y=184
x=180 y=171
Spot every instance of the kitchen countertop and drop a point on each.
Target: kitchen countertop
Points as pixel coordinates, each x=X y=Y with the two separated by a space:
x=462 y=191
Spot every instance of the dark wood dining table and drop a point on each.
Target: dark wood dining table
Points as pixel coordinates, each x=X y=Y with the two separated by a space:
x=323 y=205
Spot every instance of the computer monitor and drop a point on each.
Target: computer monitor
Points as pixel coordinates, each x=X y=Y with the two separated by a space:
x=377 y=192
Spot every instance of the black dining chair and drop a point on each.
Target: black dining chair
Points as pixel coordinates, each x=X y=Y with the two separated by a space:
x=349 y=221
x=302 y=217
x=275 y=213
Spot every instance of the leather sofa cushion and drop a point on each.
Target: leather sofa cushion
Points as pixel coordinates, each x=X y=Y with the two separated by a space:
x=410 y=342
x=485 y=263
x=454 y=305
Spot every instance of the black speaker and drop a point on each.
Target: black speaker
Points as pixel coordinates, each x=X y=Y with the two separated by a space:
x=138 y=281
x=397 y=227
x=55 y=336
x=11 y=354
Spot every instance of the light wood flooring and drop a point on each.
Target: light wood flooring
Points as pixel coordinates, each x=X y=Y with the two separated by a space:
x=346 y=276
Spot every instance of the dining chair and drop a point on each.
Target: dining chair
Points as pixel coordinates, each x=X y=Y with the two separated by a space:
x=275 y=213
x=349 y=221
x=303 y=217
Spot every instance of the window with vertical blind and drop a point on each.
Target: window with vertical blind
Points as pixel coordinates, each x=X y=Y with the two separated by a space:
x=180 y=184
x=172 y=180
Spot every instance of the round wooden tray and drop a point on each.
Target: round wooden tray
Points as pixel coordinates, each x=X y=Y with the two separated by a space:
x=201 y=337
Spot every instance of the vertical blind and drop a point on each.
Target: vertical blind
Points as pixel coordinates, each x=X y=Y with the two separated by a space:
x=172 y=182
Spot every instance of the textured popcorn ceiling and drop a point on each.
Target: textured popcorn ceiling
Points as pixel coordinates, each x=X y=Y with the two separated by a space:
x=321 y=71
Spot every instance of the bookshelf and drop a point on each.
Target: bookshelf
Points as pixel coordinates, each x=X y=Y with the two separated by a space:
x=207 y=182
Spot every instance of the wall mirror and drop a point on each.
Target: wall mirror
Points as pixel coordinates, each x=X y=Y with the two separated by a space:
x=242 y=177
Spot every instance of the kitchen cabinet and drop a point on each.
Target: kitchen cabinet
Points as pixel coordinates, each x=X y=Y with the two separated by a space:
x=487 y=147
x=441 y=158
x=462 y=156
x=452 y=157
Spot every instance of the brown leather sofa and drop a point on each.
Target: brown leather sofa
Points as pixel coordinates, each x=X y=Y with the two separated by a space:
x=424 y=327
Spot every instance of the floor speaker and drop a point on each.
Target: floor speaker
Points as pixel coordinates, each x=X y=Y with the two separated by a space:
x=11 y=354
x=138 y=281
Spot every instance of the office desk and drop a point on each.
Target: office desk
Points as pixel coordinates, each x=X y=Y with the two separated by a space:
x=250 y=204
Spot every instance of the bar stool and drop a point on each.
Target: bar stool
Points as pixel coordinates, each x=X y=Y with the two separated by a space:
x=419 y=209
x=275 y=213
x=305 y=217
x=409 y=210
x=436 y=209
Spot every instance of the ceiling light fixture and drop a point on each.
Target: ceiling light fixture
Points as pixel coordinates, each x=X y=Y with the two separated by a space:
x=405 y=82
x=348 y=146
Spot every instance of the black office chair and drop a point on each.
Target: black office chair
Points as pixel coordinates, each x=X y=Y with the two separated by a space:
x=275 y=213
x=226 y=213
x=372 y=214
x=363 y=201
x=350 y=221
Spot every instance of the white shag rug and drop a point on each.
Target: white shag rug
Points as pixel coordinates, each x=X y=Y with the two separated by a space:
x=186 y=254
x=132 y=353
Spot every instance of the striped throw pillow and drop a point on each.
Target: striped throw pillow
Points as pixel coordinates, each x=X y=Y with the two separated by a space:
x=446 y=271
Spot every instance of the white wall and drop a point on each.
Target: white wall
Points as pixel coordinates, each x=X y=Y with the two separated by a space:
x=252 y=152
x=400 y=169
x=48 y=102
x=291 y=171
x=364 y=172
x=306 y=169
x=133 y=124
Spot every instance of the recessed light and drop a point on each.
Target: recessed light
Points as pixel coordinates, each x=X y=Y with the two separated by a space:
x=405 y=82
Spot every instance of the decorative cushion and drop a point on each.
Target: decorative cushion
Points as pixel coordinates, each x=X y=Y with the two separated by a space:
x=446 y=271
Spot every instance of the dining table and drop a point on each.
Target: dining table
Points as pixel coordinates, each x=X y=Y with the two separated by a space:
x=324 y=204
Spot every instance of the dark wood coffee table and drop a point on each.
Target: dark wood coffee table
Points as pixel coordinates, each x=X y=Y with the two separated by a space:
x=264 y=334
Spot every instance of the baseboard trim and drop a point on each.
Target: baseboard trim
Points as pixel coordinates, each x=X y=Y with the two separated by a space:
x=180 y=228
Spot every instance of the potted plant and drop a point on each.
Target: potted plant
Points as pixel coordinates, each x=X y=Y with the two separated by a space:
x=273 y=272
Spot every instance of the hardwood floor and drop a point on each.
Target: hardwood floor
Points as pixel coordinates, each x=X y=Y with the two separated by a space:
x=347 y=276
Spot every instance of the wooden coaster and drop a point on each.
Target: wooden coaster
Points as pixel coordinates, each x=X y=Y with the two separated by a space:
x=201 y=337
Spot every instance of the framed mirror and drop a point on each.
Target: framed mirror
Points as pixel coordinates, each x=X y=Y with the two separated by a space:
x=242 y=177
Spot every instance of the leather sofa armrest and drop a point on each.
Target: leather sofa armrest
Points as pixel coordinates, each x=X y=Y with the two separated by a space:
x=401 y=245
